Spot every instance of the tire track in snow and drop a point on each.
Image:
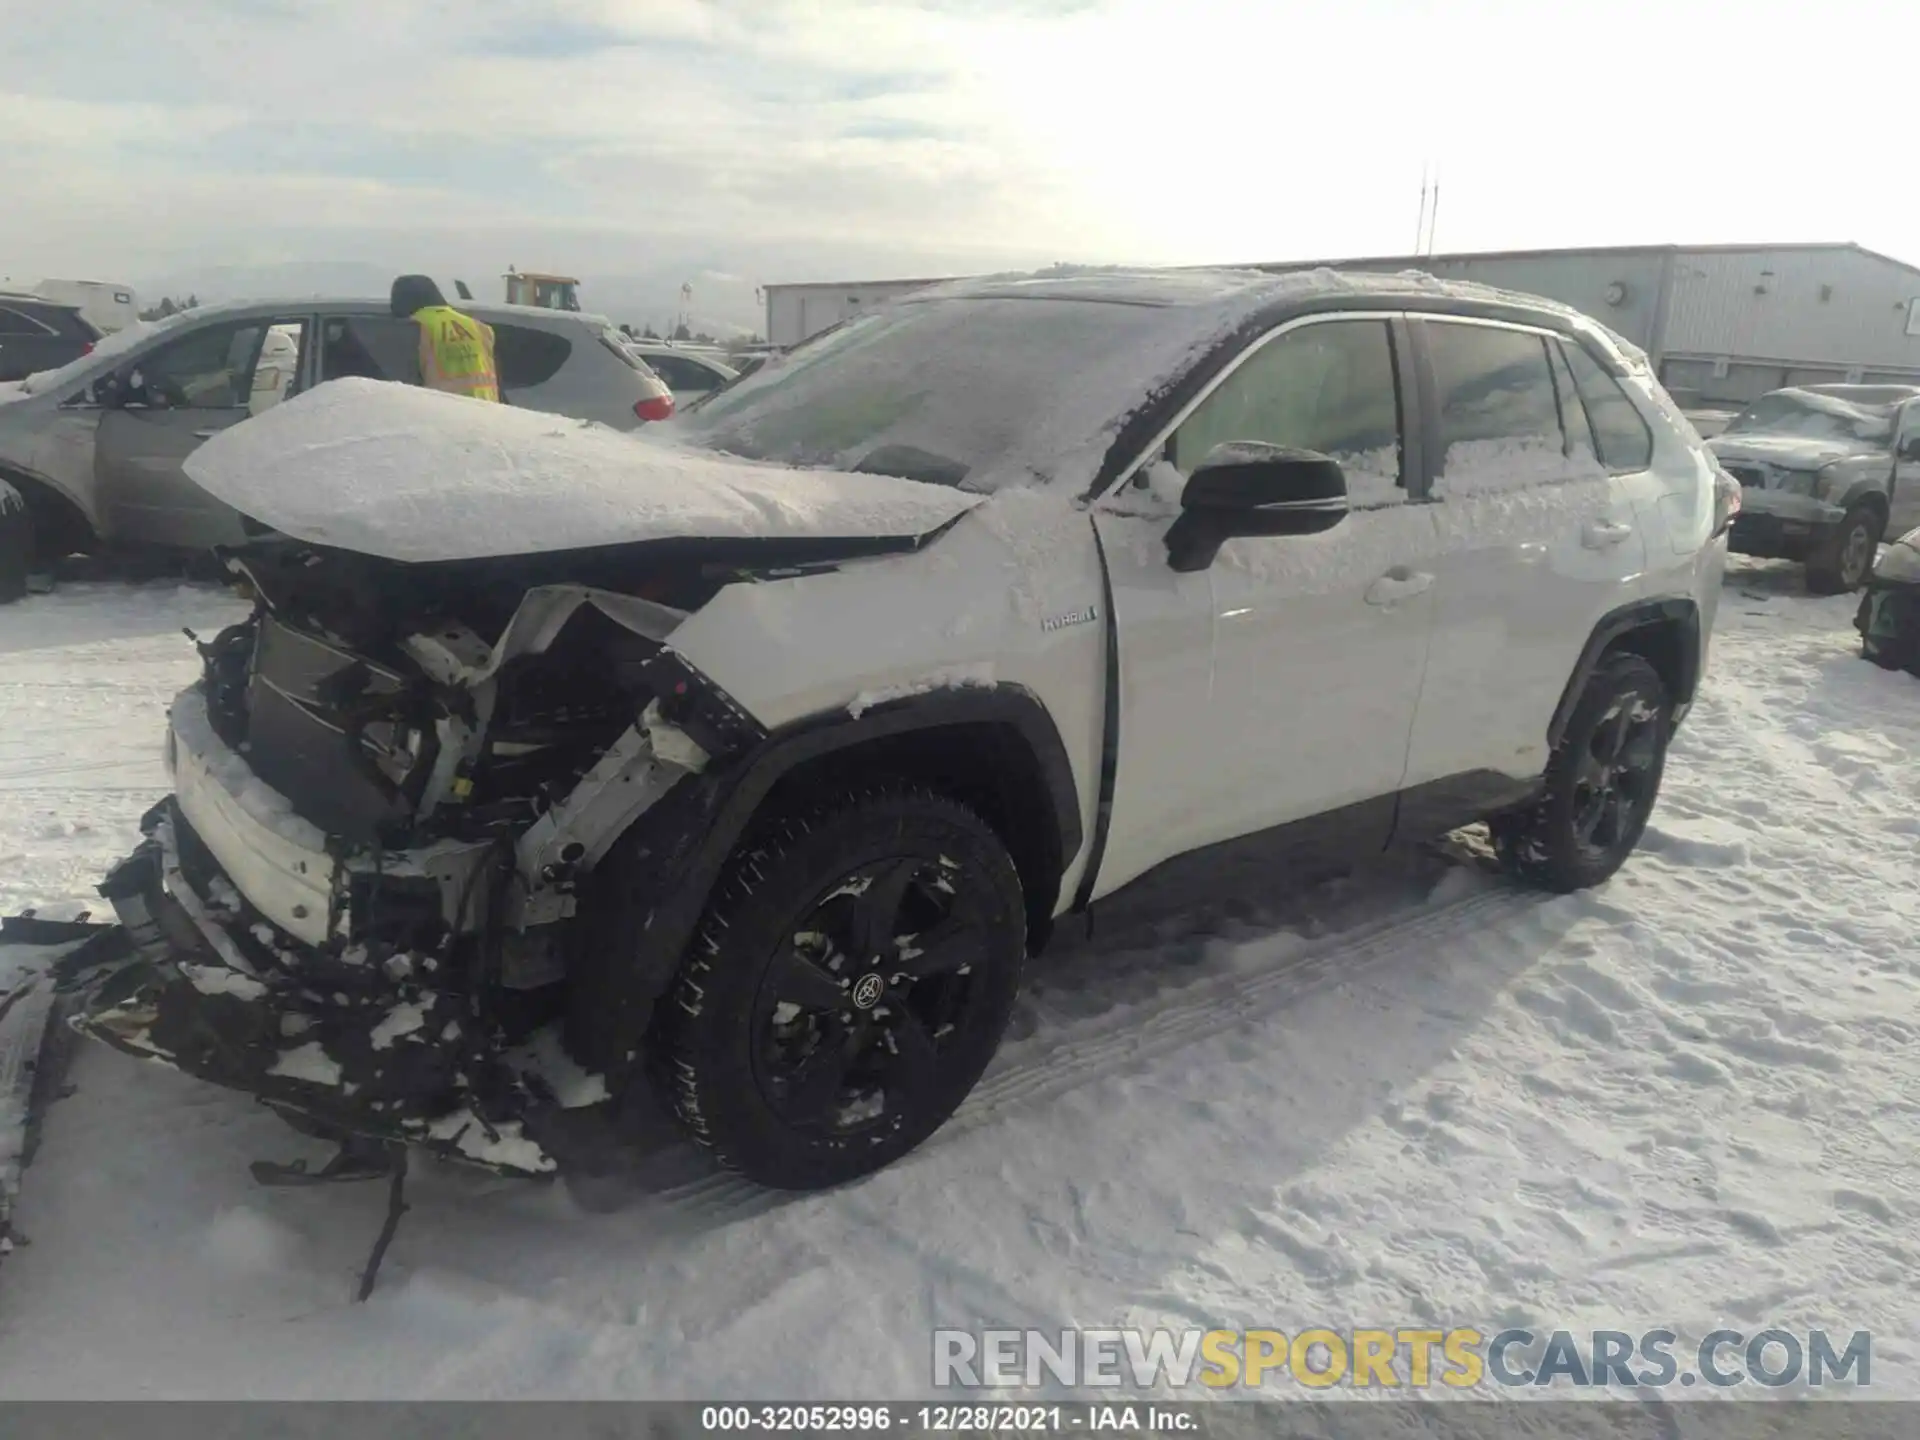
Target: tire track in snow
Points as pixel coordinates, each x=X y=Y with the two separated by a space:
x=1072 y=1055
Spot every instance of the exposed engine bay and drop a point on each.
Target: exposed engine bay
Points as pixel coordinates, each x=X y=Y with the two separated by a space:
x=367 y=885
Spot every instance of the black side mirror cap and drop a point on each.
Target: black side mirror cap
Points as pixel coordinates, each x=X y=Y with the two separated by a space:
x=1246 y=489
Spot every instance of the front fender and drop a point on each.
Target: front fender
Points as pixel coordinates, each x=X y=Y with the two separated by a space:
x=650 y=892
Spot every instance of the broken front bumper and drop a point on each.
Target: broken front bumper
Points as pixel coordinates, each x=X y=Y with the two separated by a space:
x=340 y=1043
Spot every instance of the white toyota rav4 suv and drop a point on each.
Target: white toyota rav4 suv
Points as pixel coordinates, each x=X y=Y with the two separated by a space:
x=761 y=757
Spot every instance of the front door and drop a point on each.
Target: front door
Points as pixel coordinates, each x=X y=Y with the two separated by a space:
x=169 y=402
x=1280 y=684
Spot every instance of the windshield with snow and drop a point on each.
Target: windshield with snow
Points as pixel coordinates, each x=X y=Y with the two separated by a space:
x=977 y=393
x=1815 y=417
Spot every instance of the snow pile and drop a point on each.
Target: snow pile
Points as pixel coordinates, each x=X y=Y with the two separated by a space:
x=1480 y=467
x=411 y=474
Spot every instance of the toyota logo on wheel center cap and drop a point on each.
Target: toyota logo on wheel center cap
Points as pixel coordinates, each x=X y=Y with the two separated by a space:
x=867 y=991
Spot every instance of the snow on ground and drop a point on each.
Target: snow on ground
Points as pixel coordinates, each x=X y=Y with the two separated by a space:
x=1416 y=1096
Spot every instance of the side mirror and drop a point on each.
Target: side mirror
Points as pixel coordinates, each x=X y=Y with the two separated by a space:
x=1909 y=448
x=1249 y=489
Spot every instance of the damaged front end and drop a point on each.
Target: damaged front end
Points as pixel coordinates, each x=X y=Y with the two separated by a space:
x=364 y=891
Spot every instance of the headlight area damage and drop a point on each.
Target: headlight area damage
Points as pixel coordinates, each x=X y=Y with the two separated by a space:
x=362 y=894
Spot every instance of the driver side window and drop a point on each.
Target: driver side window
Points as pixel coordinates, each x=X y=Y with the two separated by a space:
x=211 y=369
x=1327 y=386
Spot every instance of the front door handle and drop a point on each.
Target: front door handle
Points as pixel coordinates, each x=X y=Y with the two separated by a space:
x=1599 y=534
x=1398 y=584
x=205 y=434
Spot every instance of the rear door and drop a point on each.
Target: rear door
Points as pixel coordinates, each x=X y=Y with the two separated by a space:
x=170 y=401
x=1537 y=540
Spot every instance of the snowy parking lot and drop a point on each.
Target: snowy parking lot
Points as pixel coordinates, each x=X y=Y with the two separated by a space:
x=1415 y=1096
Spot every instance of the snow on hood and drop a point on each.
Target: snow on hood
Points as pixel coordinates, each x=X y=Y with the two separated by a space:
x=410 y=474
x=1800 y=451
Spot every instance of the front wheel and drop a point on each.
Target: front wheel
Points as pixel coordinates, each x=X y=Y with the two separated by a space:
x=1601 y=783
x=1842 y=561
x=847 y=988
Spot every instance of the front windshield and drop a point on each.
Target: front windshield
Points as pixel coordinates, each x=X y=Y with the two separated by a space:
x=976 y=393
x=1815 y=417
x=120 y=343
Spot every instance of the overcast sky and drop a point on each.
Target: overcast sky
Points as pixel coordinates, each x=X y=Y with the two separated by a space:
x=853 y=138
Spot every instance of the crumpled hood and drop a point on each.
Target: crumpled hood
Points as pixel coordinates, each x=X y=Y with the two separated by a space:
x=1793 y=452
x=414 y=475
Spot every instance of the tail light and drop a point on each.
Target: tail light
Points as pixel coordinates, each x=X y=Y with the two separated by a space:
x=87 y=349
x=1726 y=500
x=654 y=407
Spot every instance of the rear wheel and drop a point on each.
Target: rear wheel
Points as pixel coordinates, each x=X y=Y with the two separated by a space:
x=1602 y=780
x=1843 y=560
x=847 y=988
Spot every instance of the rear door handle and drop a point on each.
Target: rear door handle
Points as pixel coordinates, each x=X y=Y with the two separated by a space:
x=205 y=434
x=1398 y=584
x=1599 y=534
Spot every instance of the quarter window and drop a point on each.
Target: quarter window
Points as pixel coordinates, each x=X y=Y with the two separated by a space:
x=1327 y=387
x=527 y=357
x=1499 y=415
x=1624 y=441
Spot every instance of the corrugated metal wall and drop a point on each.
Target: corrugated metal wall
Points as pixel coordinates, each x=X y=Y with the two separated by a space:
x=795 y=312
x=1806 y=307
x=1579 y=279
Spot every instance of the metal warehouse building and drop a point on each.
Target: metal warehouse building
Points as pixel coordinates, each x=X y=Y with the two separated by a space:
x=1723 y=323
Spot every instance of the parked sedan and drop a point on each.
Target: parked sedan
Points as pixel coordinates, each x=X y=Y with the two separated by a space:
x=97 y=446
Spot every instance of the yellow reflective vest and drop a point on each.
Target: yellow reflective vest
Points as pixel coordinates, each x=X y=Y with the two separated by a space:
x=456 y=353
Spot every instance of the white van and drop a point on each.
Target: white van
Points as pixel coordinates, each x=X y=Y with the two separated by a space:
x=109 y=304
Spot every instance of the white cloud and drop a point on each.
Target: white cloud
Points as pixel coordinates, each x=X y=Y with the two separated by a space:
x=787 y=138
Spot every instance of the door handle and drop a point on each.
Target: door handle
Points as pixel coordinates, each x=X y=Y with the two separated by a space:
x=205 y=434
x=1599 y=534
x=1398 y=584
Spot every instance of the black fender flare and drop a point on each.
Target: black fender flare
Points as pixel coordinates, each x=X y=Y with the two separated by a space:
x=1679 y=615
x=635 y=937
x=1867 y=487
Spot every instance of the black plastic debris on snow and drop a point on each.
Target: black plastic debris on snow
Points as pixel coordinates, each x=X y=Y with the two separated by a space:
x=35 y=1045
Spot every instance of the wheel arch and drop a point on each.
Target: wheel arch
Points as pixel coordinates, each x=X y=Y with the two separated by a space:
x=1664 y=632
x=59 y=520
x=995 y=749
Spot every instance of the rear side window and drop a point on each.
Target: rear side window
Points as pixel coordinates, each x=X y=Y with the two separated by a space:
x=12 y=322
x=1499 y=414
x=1621 y=435
x=527 y=357
x=681 y=374
x=373 y=347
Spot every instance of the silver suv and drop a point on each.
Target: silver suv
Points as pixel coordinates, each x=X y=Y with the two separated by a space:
x=1827 y=472
x=97 y=447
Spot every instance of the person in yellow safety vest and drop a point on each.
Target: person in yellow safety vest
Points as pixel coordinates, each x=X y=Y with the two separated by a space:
x=456 y=350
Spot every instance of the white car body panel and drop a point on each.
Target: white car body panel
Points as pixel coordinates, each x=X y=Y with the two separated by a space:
x=1011 y=596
